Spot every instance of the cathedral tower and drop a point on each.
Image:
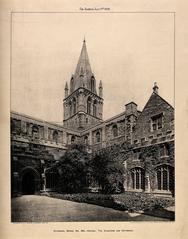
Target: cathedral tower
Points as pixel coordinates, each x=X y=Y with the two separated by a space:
x=83 y=107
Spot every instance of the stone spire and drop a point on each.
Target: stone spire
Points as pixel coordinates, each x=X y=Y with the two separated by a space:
x=83 y=66
x=155 y=88
x=83 y=73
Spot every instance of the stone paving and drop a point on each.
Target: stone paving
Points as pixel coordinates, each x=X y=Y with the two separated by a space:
x=35 y=208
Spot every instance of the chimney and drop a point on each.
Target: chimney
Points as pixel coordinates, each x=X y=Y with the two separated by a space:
x=131 y=108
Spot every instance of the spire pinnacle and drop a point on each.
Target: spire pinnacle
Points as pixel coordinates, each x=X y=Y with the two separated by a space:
x=100 y=89
x=66 y=90
x=100 y=84
x=66 y=85
x=155 y=88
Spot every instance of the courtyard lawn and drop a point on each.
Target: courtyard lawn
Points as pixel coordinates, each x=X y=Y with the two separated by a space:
x=35 y=208
x=129 y=201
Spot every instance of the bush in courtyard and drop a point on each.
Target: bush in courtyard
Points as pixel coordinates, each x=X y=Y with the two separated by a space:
x=128 y=201
x=73 y=168
x=108 y=171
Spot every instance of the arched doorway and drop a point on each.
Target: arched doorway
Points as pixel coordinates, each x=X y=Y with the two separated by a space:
x=30 y=181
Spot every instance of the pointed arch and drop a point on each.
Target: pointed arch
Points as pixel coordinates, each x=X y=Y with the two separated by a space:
x=73 y=139
x=115 y=130
x=55 y=136
x=74 y=105
x=30 y=180
x=165 y=177
x=89 y=105
x=86 y=140
x=95 y=108
x=138 y=178
x=70 y=108
x=98 y=137
x=35 y=132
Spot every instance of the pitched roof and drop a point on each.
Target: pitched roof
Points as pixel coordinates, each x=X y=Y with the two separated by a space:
x=154 y=106
x=156 y=96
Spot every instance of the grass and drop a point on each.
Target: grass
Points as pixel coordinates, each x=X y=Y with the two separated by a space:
x=129 y=201
x=35 y=208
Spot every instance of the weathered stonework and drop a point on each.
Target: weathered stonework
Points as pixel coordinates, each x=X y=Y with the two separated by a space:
x=143 y=140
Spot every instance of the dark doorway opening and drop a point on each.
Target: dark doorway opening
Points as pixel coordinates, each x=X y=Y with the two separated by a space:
x=28 y=183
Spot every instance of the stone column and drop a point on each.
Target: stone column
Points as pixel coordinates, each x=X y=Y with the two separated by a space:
x=44 y=181
x=125 y=183
x=147 y=184
x=15 y=183
x=90 y=138
x=129 y=181
x=45 y=132
x=30 y=129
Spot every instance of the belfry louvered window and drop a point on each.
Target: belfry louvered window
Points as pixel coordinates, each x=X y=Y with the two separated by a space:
x=95 y=108
x=89 y=105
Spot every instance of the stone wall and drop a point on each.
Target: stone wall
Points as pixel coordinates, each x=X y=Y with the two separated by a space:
x=143 y=129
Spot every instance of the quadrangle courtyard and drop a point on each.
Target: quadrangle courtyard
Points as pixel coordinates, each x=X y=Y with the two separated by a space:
x=36 y=208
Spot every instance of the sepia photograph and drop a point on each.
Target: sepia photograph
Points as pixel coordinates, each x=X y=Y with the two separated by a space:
x=92 y=117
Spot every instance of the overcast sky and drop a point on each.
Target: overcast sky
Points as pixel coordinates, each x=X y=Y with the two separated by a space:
x=127 y=51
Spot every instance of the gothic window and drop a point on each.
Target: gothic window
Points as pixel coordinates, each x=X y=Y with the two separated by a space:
x=143 y=140
x=86 y=139
x=35 y=132
x=89 y=105
x=164 y=176
x=74 y=106
x=72 y=139
x=70 y=108
x=157 y=122
x=95 y=108
x=115 y=130
x=51 y=179
x=138 y=177
x=98 y=137
x=55 y=136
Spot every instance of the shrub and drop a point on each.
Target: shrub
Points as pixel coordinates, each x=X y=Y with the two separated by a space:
x=73 y=167
x=127 y=201
x=108 y=171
